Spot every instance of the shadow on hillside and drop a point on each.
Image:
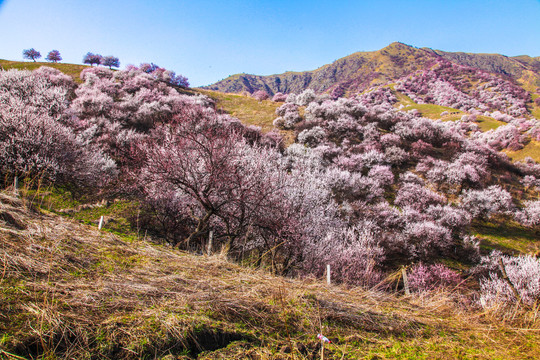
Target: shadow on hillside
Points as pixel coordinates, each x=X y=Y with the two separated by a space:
x=506 y=236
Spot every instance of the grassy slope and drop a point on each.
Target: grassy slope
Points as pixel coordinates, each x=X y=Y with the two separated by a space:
x=535 y=109
x=247 y=109
x=532 y=149
x=508 y=237
x=488 y=123
x=431 y=111
x=72 y=70
x=69 y=290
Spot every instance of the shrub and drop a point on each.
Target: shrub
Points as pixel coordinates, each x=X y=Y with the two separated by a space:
x=488 y=202
x=260 y=95
x=424 y=277
x=279 y=97
x=312 y=137
x=530 y=214
x=353 y=254
x=305 y=97
x=523 y=272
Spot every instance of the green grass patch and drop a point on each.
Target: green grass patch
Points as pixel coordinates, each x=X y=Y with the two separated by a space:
x=536 y=112
x=402 y=98
x=245 y=108
x=508 y=237
x=431 y=111
x=117 y=213
x=535 y=109
x=73 y=70
x=488 y=123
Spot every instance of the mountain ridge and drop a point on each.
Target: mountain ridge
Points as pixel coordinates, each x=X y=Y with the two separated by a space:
x=364 y=69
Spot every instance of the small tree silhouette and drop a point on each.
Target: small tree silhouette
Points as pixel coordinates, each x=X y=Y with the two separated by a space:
x=31 y=54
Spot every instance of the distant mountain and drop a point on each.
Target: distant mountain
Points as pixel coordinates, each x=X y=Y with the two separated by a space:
x=362 y=70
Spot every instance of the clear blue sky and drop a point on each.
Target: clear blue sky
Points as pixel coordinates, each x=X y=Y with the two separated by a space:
x=210 y=40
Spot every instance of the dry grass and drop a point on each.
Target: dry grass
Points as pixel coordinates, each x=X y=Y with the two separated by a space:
x=71 y=291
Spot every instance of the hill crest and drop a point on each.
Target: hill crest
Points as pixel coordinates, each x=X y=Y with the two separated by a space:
x=362 y=70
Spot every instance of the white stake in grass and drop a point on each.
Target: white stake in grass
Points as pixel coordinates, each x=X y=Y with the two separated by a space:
x=210 y=239
x=16 y=185
x=328 y=274
x=100 y=223
x=405 y=281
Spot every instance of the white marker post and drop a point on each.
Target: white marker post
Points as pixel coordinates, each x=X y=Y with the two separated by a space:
x=328 y=276
x=210 y=239
x=405 y=281
x=100 y=223
x=16 y=185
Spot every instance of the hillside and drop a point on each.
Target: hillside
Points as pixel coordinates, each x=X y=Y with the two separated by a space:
x=361 y=70
x=70 y=291
x=523 y=69
x=415 y=175
x=73 y=70
x=354 y=72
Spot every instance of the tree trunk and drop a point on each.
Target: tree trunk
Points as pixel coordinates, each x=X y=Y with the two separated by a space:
x=201 y=227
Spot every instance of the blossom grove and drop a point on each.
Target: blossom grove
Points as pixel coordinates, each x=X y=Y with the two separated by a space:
x=365 y=187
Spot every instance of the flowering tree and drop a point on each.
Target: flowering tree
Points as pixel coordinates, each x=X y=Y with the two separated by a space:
x=57 y=78
x=279 y=97
x=312 y=136
x=427 y=240
x=417 y=196
x=110 y=61
x=228 y=184
x=54 y=56
x=288 y=116
x=354 y=255
x=523 y=273
x=92 y=59
x=424 y=277
x=530 y=214
x=160 y=74
x=260 y=95
x=485 y=203
x=304 y=98
x=33 y=140
x=31 y=54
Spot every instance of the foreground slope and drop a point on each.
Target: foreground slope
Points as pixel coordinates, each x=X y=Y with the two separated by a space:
x=71 y=291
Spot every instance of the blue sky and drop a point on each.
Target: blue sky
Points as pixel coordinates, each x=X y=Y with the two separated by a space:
x=210 y=40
